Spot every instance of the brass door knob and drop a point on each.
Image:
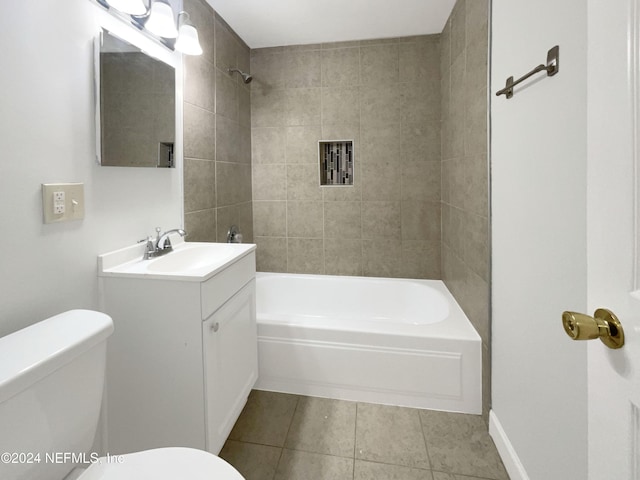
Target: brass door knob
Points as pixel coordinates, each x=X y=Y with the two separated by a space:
x=603 y=325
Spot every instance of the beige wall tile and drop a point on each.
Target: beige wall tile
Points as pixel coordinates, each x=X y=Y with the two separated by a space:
x=458 y=29
x=268 y=108
x=271 y=254
x=226 y=95
x=302 y=144
x=269 y=219
x=343 y=256
x=381 y=219
x=420 y=102
x=305 y=255
x=421 y=141
x=445 y=48
x=351 y=193
x=233 y=183
x=477 y=62
x=475 y=134
x=477 y=18
x=381 y=257
x=303 y=69
x=421 y=221
x=476 y=179
x=199 y=133
x=303 y=182
x=225 y=47
x=341 y=67
x=200 y=82
x=380 y=143
x=379 y=64
x=227 y=174
x=244 y=147
x=200 y=177
x=476 y=245
x=227 y=140
x=303 y=106
x=304 y=219
x=340 y=105
x=268 y=145
x=342 y=220
x=421 y=259
x=421 y=181
x=201 y=225
x=420 y=61
x=269 y=182
x=381 y=180
x=268 y=69
x=241 y=216
x=339 y=131
x=244 y=105
x=380 y=104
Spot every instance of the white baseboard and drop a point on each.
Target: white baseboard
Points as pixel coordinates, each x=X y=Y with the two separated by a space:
x=508 y=454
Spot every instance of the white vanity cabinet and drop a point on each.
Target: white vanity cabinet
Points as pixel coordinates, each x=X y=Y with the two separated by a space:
x=231 y=358
x=183 y=356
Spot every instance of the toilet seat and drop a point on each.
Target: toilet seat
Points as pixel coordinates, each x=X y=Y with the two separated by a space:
x=163 y=464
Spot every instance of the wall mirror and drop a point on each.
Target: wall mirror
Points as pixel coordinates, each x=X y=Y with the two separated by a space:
x=135 y=105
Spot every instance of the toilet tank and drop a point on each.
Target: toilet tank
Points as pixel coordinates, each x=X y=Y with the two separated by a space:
x=51 y=381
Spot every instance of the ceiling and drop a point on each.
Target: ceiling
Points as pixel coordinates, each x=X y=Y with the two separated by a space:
x=270 y=23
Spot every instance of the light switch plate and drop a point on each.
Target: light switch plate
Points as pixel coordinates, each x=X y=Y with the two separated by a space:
x=73 y=198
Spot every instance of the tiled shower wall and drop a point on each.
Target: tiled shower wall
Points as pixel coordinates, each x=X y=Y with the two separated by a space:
x=217 y=132
x=384 y=95
x=465 y=183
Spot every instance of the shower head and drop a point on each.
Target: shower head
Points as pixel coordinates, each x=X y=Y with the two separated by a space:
x=246 y=78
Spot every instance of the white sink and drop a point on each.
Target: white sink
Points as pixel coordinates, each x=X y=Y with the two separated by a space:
x=188 y=261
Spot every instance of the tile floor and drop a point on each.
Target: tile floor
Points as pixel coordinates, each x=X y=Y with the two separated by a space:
x=290 y=437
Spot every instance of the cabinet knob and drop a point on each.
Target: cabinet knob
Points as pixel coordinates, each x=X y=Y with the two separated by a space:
x=215 y=327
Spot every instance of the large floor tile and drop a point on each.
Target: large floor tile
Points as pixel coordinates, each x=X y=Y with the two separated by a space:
x=265 y=419
x=382 y=471
x=254 y=462
x=390 y=435
x=296 y=465
x=452 y=476
x=323 y=425
x=461 y=444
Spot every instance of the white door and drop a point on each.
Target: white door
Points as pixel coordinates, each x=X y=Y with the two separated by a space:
x=612 y=238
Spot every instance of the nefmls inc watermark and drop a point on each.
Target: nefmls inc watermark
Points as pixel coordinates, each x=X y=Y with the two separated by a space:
x=58 y=457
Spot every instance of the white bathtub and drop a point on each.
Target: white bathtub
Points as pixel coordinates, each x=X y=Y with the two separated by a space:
x=392 y=341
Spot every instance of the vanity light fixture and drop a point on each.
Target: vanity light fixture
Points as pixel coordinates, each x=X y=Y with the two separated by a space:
x=131 y=7
x=187 y=41
x=160 y=21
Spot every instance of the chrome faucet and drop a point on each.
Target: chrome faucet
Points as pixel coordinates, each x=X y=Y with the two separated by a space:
x=160 y=245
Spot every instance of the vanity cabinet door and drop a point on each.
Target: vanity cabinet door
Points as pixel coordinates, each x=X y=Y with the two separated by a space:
x=231 y=363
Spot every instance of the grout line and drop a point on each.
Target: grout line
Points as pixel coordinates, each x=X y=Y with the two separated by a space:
x=424 y=438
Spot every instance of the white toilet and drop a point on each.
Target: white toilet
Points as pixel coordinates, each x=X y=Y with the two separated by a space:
x=51 y=381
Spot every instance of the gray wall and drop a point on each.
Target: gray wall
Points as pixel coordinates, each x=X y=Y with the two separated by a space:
x=217 y=135
x=465 y=184
x=383 y=94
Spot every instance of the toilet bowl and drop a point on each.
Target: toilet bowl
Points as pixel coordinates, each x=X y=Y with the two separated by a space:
x=51 y=381
x=162 y=464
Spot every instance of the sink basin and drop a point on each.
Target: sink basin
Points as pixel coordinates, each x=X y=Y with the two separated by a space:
x=195 y=261
x=192 y=257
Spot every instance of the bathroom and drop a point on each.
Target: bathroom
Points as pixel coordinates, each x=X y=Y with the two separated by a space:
x=48 y=130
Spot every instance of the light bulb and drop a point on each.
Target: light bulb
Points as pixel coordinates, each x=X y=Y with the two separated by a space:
x=160 y=21
x=187 y=41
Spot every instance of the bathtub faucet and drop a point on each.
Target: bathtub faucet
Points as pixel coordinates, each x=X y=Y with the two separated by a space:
x=161 y=245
